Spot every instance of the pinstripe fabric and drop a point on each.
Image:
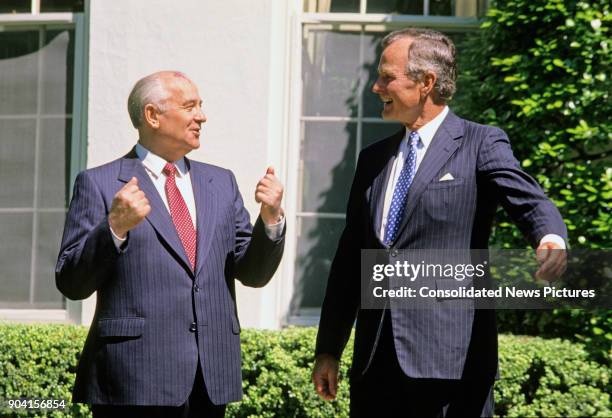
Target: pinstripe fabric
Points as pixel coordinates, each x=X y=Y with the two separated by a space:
x=140 y=350
x=437 y=343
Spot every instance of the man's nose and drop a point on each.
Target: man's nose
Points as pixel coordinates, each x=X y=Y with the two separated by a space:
x=200 y=117
x=376 y=87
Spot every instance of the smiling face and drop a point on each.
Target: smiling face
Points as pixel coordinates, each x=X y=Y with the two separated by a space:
x=171 y=127
x=402 y=97
x=181 y=119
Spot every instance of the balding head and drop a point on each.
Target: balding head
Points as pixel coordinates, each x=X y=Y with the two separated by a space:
x=153 y=89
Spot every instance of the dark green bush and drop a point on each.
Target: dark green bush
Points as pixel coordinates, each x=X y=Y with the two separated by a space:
x=549 y=378
x=39 y=362
x=539 y=377
x=591 y=328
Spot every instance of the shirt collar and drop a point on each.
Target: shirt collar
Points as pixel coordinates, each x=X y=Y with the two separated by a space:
x=155 y=164
x=427 y=131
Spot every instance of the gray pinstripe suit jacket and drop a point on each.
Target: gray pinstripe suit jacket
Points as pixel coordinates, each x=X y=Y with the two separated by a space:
x=444 y=344
x=140 y=350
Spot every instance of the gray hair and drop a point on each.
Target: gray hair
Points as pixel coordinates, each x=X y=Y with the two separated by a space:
x=150 y=90
x=429 y=51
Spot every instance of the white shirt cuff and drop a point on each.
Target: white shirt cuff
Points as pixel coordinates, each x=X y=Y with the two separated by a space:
x=118 y=241
x=275 y=231
x=555 y=239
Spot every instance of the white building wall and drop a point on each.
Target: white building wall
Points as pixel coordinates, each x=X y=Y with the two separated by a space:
x=237 y=52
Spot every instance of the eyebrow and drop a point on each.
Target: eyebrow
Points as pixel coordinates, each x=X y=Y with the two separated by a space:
x=192 y=102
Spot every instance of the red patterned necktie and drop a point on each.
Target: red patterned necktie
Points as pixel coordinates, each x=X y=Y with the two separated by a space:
x=180 y=214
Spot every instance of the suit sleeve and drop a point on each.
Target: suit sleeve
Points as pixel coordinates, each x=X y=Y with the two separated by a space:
x=88 y=253
x=256 y=256
x=342 y=295
x=519 y=193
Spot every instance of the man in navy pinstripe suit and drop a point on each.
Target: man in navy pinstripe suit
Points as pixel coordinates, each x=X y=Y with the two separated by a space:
x=161 y=238
x=434 y=185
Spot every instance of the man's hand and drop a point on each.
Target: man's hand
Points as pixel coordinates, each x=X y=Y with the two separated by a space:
x=325 y=376
x=552 y=260
x=269 y=192
x=129 y=208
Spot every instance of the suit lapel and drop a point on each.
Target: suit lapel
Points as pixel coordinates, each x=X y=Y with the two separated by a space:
x=159 y=217
x=441 y=148
x=206 y=207
x=379 y=185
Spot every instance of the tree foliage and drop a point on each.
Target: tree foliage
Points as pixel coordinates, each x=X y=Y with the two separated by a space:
x=540 y=70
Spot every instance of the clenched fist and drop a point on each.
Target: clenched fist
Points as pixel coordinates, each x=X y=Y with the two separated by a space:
x=129 y=208
x=269 y=192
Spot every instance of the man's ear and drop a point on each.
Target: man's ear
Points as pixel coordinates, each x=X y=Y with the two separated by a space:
x=151 y=116
x=427 y=84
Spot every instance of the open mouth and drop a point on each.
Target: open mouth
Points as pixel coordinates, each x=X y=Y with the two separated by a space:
x=386 y=101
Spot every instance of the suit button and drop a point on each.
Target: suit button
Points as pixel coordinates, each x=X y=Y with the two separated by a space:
x=196 y=288
x=193 y=327
x=394 y=253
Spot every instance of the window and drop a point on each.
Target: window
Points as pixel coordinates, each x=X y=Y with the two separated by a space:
x=37 y=63
x=43 y=6
x=463 y=8
x=340 y=116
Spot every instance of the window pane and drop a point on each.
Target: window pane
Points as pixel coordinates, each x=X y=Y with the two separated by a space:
x=331 y=73
x=334 y=6
x=372 y=106
x=316 y=246
x=465 y=8
x=15 y=6
x=373 y=132
x=17 y=162
x=57 y=63
x=61 y=5
x=50 y=227
x=441 y=8
x=328 y=164
x=53 y=172
x=15 y=258
x=400 y=7
x=35 y=134
x=18 y=72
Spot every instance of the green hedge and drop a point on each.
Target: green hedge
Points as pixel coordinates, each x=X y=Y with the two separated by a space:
x=540 y=377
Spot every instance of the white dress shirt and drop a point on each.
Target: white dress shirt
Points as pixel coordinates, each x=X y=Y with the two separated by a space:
x=426 y=134
x=154 y=165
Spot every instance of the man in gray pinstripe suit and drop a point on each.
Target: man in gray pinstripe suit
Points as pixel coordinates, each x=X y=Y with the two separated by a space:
x=434 y=185
x=161 y=238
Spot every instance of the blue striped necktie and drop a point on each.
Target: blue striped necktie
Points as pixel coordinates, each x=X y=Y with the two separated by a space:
x=400 y=193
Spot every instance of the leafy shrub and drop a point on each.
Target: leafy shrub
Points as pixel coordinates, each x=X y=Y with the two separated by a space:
x=539 y=377
x=591 y=328
x=549 y=378
x=39 y=362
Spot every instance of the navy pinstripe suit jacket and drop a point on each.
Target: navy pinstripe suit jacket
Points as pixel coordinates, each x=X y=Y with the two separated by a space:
x=432 y=343
x=140 y=350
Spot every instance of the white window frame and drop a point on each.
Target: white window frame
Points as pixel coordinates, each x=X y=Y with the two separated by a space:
x=79 y=23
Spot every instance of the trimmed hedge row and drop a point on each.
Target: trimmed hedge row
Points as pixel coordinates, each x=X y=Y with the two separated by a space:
x=539 y=377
